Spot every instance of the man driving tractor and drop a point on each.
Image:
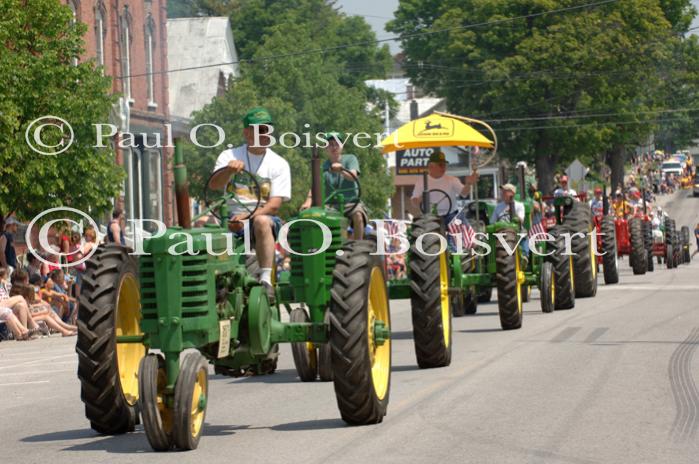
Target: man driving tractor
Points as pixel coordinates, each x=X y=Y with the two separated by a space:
x=338 y=172
x=439 y=180
x=274 y=178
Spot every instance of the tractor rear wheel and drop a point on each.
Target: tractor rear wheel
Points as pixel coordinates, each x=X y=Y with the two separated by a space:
x=359 y=334
x=609 y=259
x=304 y=353
x=157 y=417
x=547 y=288
x=191 y=397
x=429 y=294
x=579 y=221
x=669 y=246
x=563 y=275
x=638 y=251
x=648 y=244
x=508 y=279
x=110 y=306
x=684 y=235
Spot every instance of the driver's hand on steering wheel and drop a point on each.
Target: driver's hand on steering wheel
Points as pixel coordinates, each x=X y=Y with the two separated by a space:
x=236 y=166
x=235 y=223
x=336 y=167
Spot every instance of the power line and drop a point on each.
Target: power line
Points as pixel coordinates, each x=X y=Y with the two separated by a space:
x=373 y=42
x=599 y=123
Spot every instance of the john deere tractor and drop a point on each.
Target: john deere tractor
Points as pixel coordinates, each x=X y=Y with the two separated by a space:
x=193 y=290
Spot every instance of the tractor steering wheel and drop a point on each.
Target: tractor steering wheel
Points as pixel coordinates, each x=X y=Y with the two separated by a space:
x=356 y=188
x=446 y=196
x=234 y=188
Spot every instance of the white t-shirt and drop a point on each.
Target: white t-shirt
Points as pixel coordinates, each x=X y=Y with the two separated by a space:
x=502 y=212
x=272 y=172
x=448 y=184
x=559 y=192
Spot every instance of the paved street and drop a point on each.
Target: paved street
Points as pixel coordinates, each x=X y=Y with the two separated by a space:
x=612 y=381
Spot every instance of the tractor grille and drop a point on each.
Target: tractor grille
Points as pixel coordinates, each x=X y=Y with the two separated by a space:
x=297 y=261
x=192 y=283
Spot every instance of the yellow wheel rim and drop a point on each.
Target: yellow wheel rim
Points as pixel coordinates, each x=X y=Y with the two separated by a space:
x=198 y=403
x=380 y=355
x=127 y=322
x=519 y=275
x=312 y=357
x=444 y=298
x=553 y=290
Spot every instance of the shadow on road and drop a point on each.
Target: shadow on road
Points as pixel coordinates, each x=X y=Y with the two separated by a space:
x=315 y=424
x=408 y=368
x=494 y=329
x=280 y=376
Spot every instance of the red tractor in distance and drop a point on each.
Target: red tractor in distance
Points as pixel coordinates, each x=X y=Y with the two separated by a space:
x=634 y=234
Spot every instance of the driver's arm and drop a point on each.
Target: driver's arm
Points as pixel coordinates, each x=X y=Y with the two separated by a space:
x=220 y=179
x=469 y=181
x=271 y=208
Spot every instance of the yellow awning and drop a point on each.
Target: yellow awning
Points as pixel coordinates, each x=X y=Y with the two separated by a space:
x=434 y=130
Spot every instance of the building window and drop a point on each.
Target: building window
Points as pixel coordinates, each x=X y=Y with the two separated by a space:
x=100 y=32
x=150 y=45
x=125 y=33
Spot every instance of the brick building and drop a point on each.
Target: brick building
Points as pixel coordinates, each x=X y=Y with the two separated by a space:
x=129 y=38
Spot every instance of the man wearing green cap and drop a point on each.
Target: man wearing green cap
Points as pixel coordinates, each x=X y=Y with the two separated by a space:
x=274 y=177
x=337 y=179
x=437 y=179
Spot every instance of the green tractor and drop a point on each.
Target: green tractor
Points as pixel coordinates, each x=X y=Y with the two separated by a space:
x=193 y=290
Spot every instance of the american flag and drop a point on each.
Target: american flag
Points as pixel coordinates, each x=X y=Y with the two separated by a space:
x=460 y=225
x=537 y=228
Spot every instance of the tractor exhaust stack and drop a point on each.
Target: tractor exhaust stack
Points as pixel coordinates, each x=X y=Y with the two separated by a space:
x=316 y=180
x=184 y=214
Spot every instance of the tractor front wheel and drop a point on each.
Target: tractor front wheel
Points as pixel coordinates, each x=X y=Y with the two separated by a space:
x=508 y=278
x=304 y=353
x=157 y=417
x=191 y=397
x=563 y=276
x=429 y=294
x=110 y=306
x=360 y=334
x=547 y=288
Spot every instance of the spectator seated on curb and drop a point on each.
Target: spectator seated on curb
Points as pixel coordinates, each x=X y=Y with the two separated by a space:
x=40 y=311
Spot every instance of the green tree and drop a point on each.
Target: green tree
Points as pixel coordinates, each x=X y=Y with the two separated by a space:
x=540 y=79
x=39 y=43
x=306 y=93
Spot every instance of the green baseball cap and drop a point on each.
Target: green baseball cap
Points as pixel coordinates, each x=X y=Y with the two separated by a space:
x=339 y=136
x=438 y=157
x=258 y=115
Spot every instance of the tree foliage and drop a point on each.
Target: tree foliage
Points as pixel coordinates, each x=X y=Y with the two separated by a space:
x=306 y=93
x=544 y=80
x=38 y=45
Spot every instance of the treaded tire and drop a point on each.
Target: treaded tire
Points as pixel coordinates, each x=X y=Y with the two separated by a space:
x=305 y=360
x=684 y=236
x=547 y=288
x=638 y=250
x=464 y=300
x=669 y=245
x=610 y=267
x=507 y=283
x=106 y=406
x=192 y=365
x=426 y=295
x=648 y=244
x=579 y=220
x=564 y=278
x=485 y=294
x=151 y=383
x=355 y=392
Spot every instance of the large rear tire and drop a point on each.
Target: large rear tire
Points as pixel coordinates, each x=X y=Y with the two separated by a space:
x=669 y=245
x=610 y=266
x=648 y=244
x=638 y=250
x=684 y=236
x=579 y=221
x=564 y=278
x=358 y=307
x=429 y=294
x=508 y=279
x=110 y=305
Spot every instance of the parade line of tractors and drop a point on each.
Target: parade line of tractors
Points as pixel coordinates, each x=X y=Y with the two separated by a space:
x=137 y=317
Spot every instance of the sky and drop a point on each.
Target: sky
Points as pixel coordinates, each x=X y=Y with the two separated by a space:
x=376 y=13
